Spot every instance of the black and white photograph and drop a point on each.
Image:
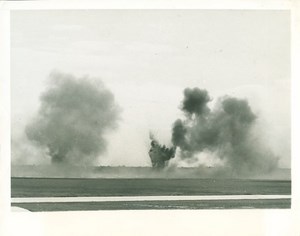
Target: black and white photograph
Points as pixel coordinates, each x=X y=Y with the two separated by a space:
x=150 y=110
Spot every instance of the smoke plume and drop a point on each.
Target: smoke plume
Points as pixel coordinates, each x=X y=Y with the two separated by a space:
x=160 y=154
x=73 y=117
x=226 y=132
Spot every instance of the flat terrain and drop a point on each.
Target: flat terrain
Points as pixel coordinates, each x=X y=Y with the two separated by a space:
x=60 y=187
x=57 y=187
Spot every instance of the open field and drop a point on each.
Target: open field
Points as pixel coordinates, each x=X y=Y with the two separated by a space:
x=60 y=187
x=57 y=187
x=125 y=172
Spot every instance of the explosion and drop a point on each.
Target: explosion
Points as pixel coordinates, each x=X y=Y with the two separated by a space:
x=160 y=155
x=73 y=117
x=227 y=131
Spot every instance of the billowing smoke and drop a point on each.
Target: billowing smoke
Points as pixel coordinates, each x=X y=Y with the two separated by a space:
x=160 y=154
x=73 y=117
x=195 y=101
x=225 y=131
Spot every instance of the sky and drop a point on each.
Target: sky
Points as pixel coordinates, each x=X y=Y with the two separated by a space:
x=147 y=58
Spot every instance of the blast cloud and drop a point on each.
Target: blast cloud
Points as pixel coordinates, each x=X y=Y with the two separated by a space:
x=226 y=132
x=160 y=154
x=195 y=101
x=74 y=115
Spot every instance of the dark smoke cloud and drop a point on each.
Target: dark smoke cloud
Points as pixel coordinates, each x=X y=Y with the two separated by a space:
x=195 y=101
x=226 y=131
x=73 y=117
x=160 y=154
x=179 y=134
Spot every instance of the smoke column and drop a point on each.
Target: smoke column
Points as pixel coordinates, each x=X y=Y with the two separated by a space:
x=73 y=117
x=226 y=131
x=160 y=154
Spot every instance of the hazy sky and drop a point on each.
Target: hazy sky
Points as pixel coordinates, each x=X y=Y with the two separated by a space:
x=146 y=58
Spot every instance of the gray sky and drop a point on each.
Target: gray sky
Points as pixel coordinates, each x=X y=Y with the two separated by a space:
x=147 y=57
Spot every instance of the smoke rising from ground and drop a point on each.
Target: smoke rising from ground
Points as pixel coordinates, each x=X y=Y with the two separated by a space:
x=226 y=132
x=73 y=117
x=160 y=154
